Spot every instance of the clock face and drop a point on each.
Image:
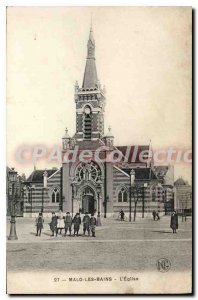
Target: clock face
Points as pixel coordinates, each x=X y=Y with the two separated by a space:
x=87 y=110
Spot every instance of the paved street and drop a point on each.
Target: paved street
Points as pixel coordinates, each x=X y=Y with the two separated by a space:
x=118 y=246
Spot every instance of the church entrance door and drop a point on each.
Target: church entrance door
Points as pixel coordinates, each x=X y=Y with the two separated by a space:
x=88 y=201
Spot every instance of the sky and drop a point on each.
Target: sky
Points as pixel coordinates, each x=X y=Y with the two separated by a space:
x=143 y=57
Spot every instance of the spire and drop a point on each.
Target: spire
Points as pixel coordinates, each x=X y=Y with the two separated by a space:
x=90 y=76
x=91 y=39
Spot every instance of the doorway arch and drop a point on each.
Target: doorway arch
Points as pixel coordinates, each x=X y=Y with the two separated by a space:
x=89 y=202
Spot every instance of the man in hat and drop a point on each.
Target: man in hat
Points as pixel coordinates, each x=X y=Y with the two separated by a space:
x=86 y=224
x=39 y=224
x=68 y=223
x=77 y=222
x=53 y=224
x=93 y=225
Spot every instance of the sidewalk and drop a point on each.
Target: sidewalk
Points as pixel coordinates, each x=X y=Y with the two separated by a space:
x=110 y=229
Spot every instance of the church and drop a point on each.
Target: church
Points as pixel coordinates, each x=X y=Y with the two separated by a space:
x=103 y=178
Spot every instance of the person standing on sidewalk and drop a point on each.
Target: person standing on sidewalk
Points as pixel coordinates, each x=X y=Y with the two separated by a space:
x=53 y=224
x=174 y=221
x=39 y=224
x=86 y=224
x=68 y=223
x=60 y=223
x=121 y=215
x=157 y=216
x=77 y=222
x=154 y=215
x=93 y=225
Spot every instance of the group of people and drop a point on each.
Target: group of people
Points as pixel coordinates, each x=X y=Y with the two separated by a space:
x=62 y=222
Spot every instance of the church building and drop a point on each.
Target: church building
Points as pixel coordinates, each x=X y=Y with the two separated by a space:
x=103 y=178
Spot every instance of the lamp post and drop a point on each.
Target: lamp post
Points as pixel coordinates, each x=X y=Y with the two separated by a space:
x=24 y=195
x=42 y=199
x=13 y=179
x=31 y=190
x=105 y=187
x=132 y=179
x=72 y=186
x=45 y=177
x=43 y=194
x=143 y=198
x=98 y=192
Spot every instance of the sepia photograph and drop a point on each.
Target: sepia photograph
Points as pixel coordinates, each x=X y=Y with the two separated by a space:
x=99 y=150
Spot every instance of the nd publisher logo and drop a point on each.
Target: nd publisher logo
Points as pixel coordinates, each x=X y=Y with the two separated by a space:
x=163 y=265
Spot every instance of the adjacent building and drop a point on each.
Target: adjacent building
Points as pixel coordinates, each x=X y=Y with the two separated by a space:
x=15 y=193
x=183 y=195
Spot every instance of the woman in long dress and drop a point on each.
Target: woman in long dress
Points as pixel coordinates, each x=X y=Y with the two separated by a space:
x=60 y=223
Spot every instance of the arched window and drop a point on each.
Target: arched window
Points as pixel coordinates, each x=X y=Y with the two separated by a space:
x=87 y=123
x=55 y=196
x=122 y=195
x=125 y=196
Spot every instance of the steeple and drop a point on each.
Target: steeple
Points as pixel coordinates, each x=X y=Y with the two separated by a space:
x=90 y=76
x=90 y=101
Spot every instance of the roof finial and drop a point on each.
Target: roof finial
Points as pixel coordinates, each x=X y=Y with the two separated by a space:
x=91 y=22
x=66 y=136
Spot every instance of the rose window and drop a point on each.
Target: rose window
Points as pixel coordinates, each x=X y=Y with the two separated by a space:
x=87 y=171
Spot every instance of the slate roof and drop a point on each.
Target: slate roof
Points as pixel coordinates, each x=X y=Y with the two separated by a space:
x=133 y=156
x=180 y=181
x=37 y=175
x=142 y=173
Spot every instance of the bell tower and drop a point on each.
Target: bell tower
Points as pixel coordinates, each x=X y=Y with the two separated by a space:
x=90 y=100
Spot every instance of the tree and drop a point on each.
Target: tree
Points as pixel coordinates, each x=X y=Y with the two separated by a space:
x=137 y=194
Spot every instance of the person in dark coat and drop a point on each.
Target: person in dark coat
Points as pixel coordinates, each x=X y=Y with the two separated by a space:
x=154 y=215
x=53 y=224
x=174 y=222
x=93 y=225
x=68 y=223
x=76 y=221
x=121 y=215
x=39 y=224
x=86 y=224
